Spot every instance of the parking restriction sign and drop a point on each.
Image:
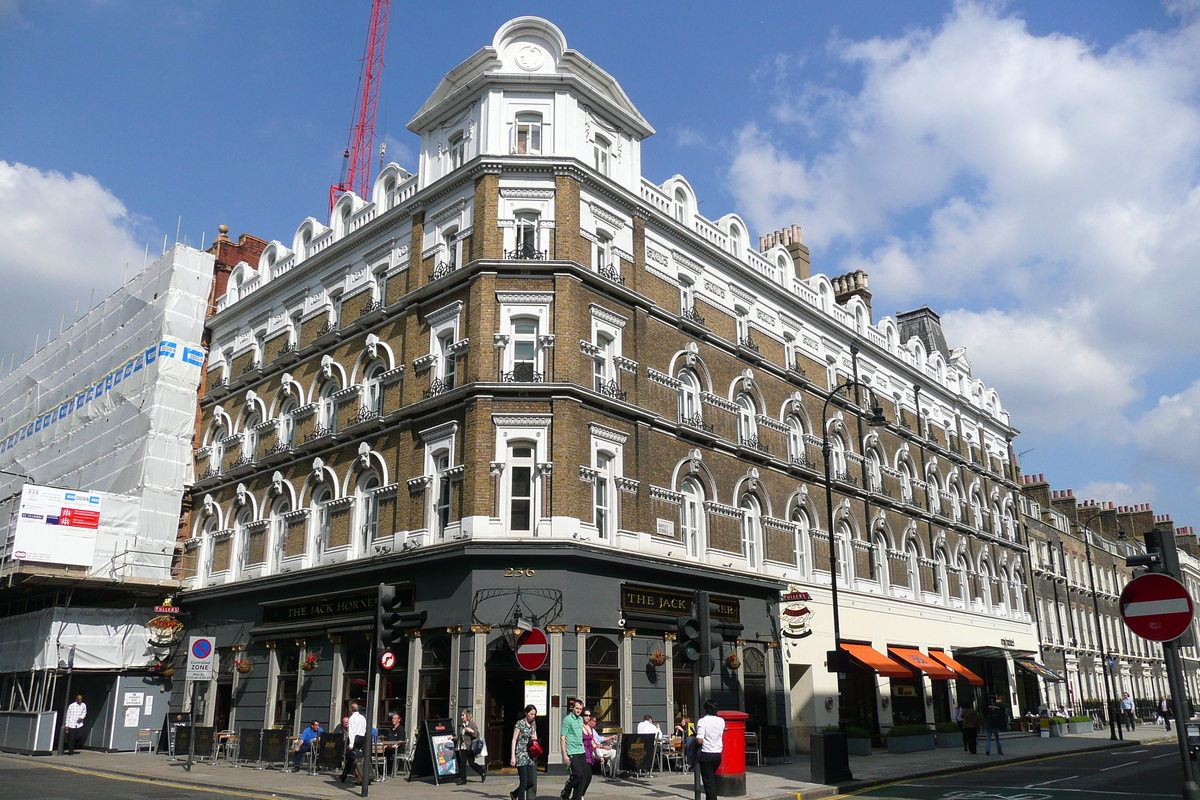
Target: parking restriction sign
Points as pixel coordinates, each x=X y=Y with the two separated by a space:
x=201 y=650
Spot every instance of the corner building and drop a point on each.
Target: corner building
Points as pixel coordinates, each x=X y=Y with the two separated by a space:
x=528 y=382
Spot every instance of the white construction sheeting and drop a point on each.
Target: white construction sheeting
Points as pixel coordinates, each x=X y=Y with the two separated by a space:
x=104 y=638
x=110 y=406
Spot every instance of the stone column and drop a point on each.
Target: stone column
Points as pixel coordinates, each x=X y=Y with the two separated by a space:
x=555 y=634
x=415 y=652
x=580 y=689
x=479 y=635
x=669 y=672
x=626 y=666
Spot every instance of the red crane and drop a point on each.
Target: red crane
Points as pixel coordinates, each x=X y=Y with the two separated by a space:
x=356 y=163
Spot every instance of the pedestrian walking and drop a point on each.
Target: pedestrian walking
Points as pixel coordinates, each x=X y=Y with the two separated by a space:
x=1127 y=710
x=524 y=734
x=573 y=753
x=958 y=717
x=1167 y=709
x=469 y=746
x=995 y=719
x=710 y=735
x=73 y=724
x=970 y=729
x=356 y=735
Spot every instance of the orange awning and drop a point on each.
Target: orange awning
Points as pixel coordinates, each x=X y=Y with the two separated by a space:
x=922 y=662
x=957 y=667
x=873 y=659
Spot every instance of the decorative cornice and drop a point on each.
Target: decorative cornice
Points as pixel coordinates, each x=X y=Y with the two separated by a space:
x=525 y=298
x=526 y=194
x=607 y=434
x=628 y=485
x=666 y=495
x=609 y=317
x=451 y=210
x=687 y=263
x=664 y=379
x=604 y=215
x=720 y=402
x=438 y=432
x=721 y=510
x=522 y=420
x=444 y=313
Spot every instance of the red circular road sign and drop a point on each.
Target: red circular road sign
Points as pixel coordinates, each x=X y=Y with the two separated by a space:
x=532 y=649
x=387 y=659
x=1156 y=607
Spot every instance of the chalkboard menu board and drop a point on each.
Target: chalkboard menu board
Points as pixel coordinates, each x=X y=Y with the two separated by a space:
x=434 y=753
x=250 y=744
x=637 y=752
x=204 y=741
x=183 y=737
x=274 y=746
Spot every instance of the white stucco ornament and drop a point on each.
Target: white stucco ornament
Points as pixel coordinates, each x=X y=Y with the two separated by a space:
x=530 y=58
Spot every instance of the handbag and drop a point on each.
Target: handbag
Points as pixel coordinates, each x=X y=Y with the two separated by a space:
x=535 y=749
x=477 y=747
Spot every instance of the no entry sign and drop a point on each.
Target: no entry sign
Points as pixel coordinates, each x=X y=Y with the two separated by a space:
x=532 y=649
x=1156 y=607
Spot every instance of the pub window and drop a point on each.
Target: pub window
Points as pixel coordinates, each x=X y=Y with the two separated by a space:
x=603 y=681
x=435 y=679
x=285 y=689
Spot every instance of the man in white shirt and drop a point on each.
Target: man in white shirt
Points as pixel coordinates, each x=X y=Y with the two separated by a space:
x=647 y=726
x=356 y=734
x=710 y=734
x=73 y=724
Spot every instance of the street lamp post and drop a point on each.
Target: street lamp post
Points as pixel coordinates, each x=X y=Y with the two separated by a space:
x=1113 y=727
x=875 y=420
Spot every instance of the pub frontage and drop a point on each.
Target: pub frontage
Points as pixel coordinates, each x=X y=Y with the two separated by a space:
x=292 y=649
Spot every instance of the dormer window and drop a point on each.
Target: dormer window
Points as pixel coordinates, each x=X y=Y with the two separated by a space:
x=458 y=150
x=602 y=153
x=529 y=134
x=680 y=205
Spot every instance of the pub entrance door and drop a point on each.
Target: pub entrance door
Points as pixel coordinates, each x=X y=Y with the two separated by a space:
x=505 y=700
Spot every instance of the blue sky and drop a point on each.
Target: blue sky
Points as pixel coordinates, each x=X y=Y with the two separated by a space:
x=1028 y=169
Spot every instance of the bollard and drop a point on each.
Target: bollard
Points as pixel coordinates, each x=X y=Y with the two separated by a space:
x=731 y=775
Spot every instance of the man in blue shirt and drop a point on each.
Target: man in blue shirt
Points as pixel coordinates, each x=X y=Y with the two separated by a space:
x=307 y=738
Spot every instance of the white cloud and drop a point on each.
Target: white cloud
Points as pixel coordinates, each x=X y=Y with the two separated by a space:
x=1117 y=493
x=60 y=237
x=1171 y=430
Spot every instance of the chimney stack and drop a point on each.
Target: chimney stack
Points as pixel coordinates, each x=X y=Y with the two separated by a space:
x=790 y=239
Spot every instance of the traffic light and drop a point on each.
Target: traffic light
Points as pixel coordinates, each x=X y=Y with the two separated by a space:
x=688 y=637
x=704 y=617
x=389 y=619
x=1161 y=555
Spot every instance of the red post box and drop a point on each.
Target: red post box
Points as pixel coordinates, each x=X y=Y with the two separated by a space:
x=731 y=775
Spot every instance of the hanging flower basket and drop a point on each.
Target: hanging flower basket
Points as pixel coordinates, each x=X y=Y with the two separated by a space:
x=658 y=658
x=163 y=668
x=243 y=665
x=732 y=661
x=310 y=662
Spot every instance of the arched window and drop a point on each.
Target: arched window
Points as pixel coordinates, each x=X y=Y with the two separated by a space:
x=983 y=588
x=747 y=425
x=941 y=576
x=242 y=539
x=216 y=449
x=529 y=134
x=906 y=481
x=1009 y=524
x=457 y=150
x=842 y=538
x=691 y=517
x=327 y=407
x=913 y=563
x=795 y=440
x=752 y=530
x=205 y=568
x=689 y=398
x=373 y=387
x=680 y=205
x=520 y=488
x=250 y=437
x=441 y=497
x=320 y=518
x=935 y=491
x=955 y=501
x=285 y=432
x=735 y=240
x=367 y=503
x=964 y=582
x=877 y=561
x=837 y=454
x=799 y=518
x=874 y=471
x=277 y=547
x=977 y=508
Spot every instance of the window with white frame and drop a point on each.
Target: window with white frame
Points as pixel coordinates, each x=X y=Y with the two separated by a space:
x=603 y=371
x=876 y=556
x=327 y=406
x=528 y=134
x=906 y=481
x=941 y=576
x=842 y=537
x=874 y=471
x=527 y=235
x=379 y=286
x=795 y=439
x=285 y=431
x=216 y=449
x=520 y=487
x=955 y=501
x=799 y=519
x=964 y=582
x=602 y=257
x=242 y=539
x=604 y=494
x=208 y=545
x=603 y=153
x=456 y=148
x=450 y=248
x=373 y=388
x=687 y=296
x=691 y=517
x=747 y=425
x=277 y=542
x=837 y=455
x=741 y=318
x=752 y=530
x=447 y=362
x=680 y=205
x=689 y=397
x=367 y=509
x=321 y=498
x=441 y=494
x=525 y=350
x=250 y=436
x=912 y=562
x=934 y=484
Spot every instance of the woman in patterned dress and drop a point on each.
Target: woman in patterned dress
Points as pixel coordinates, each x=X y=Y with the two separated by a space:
x=524 y=733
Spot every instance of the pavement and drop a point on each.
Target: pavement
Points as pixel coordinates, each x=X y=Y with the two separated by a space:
x=783 y=779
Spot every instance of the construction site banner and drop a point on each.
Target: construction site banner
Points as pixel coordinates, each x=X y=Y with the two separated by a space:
x=57 y=526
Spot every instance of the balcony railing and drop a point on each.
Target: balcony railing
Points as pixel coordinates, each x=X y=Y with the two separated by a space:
x=288 y=347
x=608 y=273
x=278 y=447
x=802 y=460
x=844 y=476
x=374 y=305
x=525 y=252
x=692 y=315
x=611 y=389
x=748 y=343
x=329 y=327
x=697 y=422
x=754 y=443
x=319 y=432
x=251 y=366
x=241 y=461
x=364 y=415
x=799 y=370
x=523 y=373
x=437 y=386
x=211 y=472
x=442 y=270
